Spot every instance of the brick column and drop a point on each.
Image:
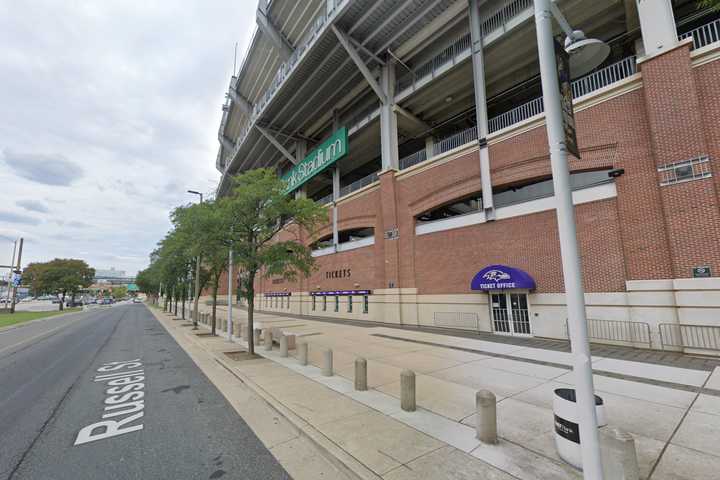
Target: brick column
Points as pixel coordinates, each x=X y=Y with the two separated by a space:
x=677 y=129
x=388 y=265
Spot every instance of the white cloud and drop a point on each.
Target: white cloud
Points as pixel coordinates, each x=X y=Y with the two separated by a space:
x=110 y=113
x=32 y=205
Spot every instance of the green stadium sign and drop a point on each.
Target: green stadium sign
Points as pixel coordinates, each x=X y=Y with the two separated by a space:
x=327 y=153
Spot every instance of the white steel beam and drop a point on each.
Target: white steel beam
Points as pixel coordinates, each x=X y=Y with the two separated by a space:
x=420 y=124
x=355 y=56
x=240 y=101
x=276 y=37
x=417 y=18
x=276 y=144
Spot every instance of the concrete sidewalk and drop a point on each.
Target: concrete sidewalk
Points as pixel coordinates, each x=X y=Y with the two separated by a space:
x=673 y=413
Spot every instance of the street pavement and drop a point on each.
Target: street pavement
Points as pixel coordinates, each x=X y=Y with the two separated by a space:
x=165 y=420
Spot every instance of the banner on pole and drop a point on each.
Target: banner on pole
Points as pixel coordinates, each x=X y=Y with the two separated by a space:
x=562 y=60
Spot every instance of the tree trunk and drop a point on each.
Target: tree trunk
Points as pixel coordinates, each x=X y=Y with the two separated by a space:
x=216 y=282
x=62 y=302
x=250 y=310
x=183 y=295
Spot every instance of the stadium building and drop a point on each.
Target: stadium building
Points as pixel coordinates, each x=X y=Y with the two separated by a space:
x=420 y=124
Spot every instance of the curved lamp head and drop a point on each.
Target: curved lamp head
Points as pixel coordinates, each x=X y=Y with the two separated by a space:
x=585 y=53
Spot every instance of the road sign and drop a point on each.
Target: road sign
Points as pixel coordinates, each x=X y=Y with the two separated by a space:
x=17 y=278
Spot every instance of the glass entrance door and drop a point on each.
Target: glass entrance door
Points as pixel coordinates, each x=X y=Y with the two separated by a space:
x=501 y=319
x=510 y=313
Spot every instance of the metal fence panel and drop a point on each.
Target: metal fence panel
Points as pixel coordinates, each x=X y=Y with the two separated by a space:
x=701 y=337
x=618 y=331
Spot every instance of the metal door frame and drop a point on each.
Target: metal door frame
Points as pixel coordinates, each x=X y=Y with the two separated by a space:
x=508 y=309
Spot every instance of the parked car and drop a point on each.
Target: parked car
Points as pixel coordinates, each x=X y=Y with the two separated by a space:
x=56 y=300
x=137 y=300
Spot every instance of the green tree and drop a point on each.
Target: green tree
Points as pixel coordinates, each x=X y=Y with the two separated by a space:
x=119 y=291
x=33 y=276
x=254 y=214
x=61 y=276
x=203 y=229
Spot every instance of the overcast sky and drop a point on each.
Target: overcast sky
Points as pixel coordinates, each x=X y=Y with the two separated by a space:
x=109 y=112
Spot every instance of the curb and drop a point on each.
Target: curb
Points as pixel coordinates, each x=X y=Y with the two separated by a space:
x=329 y=449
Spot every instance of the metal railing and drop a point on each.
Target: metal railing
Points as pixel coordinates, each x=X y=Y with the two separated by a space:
x=600 y=331
x=325 y=200
x=582 y=86
x=449 y=54
x=358 y=184
x=701 y=337
x=461 y=48
x=516 y=115
x=413 y=159
x=456 y=140
x=501 y=16
x=703 y=35
x=604 y=77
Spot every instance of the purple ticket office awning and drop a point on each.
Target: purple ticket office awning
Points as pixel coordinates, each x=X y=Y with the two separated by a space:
x=501 y=277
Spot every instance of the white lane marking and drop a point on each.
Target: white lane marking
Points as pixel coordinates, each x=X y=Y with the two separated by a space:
x=40 y=335
x=125 y=397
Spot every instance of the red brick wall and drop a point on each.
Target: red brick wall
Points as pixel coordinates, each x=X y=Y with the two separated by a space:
x=447 y=261
x=647 y=232
x=678 y=131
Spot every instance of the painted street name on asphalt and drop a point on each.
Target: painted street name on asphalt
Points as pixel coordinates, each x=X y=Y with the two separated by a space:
x=125 y=401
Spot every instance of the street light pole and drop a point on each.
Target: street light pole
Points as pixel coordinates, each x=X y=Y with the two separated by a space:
x=229 y=296
x=197 y=275
x=14 y=290
x=572 y=274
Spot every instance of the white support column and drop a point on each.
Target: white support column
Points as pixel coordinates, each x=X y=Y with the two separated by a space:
x=335 y=188
x=429 y=147
x=300 y=152
x=276 y=37
x=657 y=23
x=481 y=108
x=388 y=119
x=336 y=196
x=229 y=296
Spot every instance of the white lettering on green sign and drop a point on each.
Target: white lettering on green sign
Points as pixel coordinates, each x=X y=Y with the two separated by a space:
x=318 y=160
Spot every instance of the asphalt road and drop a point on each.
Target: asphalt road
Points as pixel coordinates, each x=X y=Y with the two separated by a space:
x=51 y=388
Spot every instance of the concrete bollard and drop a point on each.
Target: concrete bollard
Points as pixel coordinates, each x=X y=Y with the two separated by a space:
x=283 y=346
x=619 y=456
x=360 y=374
x=256 y=337
x=303 y=353
x=267 y=338
x=407 y=390
x=486 y=418
x=327 y=365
